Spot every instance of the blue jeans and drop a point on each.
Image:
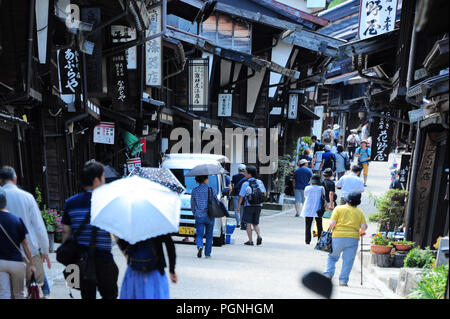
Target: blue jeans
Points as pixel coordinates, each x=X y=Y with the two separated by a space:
x=348 y=247
x=204 y=227
x=236 y=214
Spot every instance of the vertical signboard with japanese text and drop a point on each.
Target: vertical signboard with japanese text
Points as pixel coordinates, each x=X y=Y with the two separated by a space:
x=69 y=71
x=376 y=17
x=119 y=82
x=198 y=84
x=382 y=131
x=153 y=49
x=293 y=107
x=404 y=170
x=224 y=105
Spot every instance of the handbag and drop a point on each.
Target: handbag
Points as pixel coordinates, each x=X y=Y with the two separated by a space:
x=68 y=253
x=33 y=288
x=346 y=162
x=321 y=210
x=87 y=260
x=325 y=242
x=216 y=209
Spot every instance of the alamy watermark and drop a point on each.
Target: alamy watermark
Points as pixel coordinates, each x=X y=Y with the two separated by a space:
x=256 y=146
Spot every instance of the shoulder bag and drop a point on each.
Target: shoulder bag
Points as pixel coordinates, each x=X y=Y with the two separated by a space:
x=216 y=209
x=321 y=210
x=68 y=253
x=325 y=242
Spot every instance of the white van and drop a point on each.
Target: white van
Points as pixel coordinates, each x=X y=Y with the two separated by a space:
x=180 y=164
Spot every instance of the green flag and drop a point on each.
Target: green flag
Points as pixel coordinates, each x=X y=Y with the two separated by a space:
x=132 y=142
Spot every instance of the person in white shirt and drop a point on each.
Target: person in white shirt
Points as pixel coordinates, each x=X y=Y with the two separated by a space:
x=317 y=159
x=313 y=201
x=350 y=183
x=23 y=205
x=352 y=143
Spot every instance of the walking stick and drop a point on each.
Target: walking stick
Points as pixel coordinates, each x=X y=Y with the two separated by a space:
x=361 y=260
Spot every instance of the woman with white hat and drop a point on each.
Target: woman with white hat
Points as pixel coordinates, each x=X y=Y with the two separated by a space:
x=336 y=131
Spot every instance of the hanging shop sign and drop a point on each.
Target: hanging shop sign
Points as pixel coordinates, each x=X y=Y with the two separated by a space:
x=376 y=17
x=198 y=84
x=119 y=82
x=104 y=133
x=293 y=107
x=132 y=163
x=120 y=34
x=153 y=49
x=404 y=169
x=225 y=105
x=382 y=131
x=69 y=71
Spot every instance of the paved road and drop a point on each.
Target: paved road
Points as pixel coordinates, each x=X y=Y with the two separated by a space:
x=272 y=270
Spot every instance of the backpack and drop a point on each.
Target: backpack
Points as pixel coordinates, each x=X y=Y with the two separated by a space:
x=346 y=162
x=142 y=256
x=256 y=197
x=327 y=136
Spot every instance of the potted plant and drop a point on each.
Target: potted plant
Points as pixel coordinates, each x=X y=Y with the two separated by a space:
x=403 y=245
x=380 y=244
x=284 y=169
x=419 y=258
x=52 y=220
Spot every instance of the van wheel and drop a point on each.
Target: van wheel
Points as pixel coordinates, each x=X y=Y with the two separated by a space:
x=217 y=242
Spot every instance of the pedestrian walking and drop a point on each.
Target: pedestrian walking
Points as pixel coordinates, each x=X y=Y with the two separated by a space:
x=13 y=234
x=23 y=205
x=337 y=133
x=204 y=225
x=314 y=195
x=328 y=159
x=342 y=161
x=252 y=193
x=330 y=190
x=315 y=144
x=241 y=206
x=307 y=156
x=363 y=154
x=328 y=136
x=317 y=159
x=350 y=183
x=235 y=192
x=76 y=219
x=145 y=277
x=347 y=225
x=352 y=143
x=302 y=176
x=396 y=184
x=365 y=133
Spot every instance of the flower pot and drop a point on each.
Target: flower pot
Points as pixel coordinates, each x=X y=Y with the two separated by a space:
x=379 y=249
x=51 y=242
x=402 y=247
x=399 y=259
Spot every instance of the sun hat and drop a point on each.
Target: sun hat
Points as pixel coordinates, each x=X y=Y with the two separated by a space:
x=353 y=198
x=336 y=127
x=328 y=172
x=327 y=147
x=303 y=161
x=242 y=167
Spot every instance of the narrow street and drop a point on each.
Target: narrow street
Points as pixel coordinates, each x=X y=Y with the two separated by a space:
x=272 y=270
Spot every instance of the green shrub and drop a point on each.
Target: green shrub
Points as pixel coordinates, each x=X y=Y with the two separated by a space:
x=417 y=258
x=432 y=284
x=390 y=209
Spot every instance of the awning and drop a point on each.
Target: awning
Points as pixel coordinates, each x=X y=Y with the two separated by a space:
x=127 y=121
x=308 y=114
x=374 y=44
x=239 y=123
x=185 y=114
x=341 y=78
x=426 y=85
x=251 y=61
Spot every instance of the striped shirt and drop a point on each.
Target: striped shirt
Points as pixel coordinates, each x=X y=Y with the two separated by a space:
x=199 y=200
x=75 y=211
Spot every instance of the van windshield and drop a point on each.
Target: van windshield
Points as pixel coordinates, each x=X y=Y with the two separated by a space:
x=189 y=181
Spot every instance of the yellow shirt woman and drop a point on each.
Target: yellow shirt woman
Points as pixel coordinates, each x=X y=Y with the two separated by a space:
x=348 y=221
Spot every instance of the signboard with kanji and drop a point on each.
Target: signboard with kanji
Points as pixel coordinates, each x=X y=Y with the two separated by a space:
x=133 y=162
x=293 y=106
x=119 y=81
x=104 y=133
x=405 y=167
x=153 y=49
x=224 y=105
x=381 y=132
x=198 y=84
x=376 y=17
x=120 y=34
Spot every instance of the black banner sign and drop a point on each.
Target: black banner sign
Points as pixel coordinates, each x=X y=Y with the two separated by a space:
x=69 y=72
x=119 y=82
x=381 y=131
